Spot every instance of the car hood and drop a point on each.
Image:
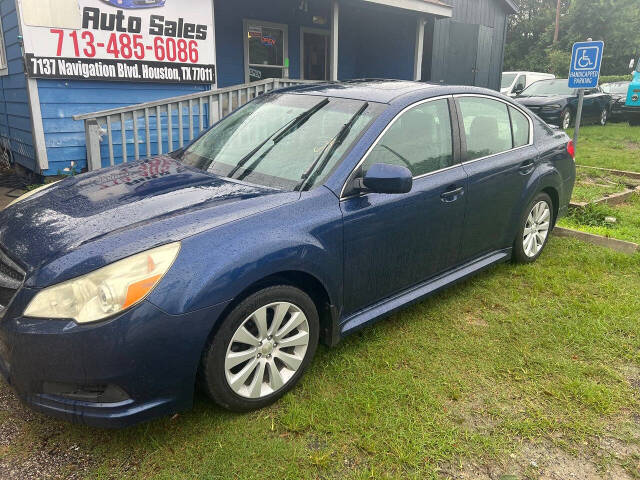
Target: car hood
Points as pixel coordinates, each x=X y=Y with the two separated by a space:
x=147 y=196
x=540 y=101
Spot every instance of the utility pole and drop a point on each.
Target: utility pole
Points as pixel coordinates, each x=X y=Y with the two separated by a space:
x=557 y=32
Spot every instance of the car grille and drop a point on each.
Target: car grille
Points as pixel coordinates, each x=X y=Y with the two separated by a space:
x=11 y=278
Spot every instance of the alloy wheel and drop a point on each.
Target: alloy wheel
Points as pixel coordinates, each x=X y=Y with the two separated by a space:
x=566 y=120
x=267 y=350
x=536 y=229
x=603 y=117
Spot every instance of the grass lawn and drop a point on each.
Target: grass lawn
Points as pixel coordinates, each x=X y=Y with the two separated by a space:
x=616 y=146
x=526 y=370
x=593 y=185
x=592 y=220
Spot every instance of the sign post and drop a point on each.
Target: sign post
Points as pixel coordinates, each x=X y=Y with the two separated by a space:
x=586 y=60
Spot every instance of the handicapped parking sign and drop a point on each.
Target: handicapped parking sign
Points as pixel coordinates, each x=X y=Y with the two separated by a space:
x=586 y=61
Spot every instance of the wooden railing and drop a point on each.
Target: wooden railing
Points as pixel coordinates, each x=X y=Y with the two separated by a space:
x=147 y=129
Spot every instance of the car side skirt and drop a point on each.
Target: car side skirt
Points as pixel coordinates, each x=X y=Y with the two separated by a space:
x=418 y=292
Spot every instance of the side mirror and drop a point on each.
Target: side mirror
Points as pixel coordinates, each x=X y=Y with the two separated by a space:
x=518 y=90
x=632 y=64
x=385 y=178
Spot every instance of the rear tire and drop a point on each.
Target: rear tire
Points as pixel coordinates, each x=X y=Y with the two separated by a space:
x=536 y=225
x=635 y=122
x=261 y=350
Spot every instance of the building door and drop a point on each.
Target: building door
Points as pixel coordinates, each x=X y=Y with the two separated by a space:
x=315 y=54
x=463 y=41
x=483 y=56
x=462 y=53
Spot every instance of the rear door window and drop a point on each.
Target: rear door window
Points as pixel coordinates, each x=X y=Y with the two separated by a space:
x=487 y=126
x=520 y=125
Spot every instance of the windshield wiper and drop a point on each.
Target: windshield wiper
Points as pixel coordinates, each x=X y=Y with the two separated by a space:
x=335 y=143
x=278 y=135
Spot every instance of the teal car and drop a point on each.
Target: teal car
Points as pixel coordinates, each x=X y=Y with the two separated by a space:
x=633 y=96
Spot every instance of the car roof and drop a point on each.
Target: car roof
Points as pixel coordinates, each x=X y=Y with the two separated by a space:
x=381 y=90
x=531 y=73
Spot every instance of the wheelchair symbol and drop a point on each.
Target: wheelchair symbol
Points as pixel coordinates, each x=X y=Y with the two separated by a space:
x=586 y=58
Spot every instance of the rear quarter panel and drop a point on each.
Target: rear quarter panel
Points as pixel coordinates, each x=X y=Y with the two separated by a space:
x=556 y=169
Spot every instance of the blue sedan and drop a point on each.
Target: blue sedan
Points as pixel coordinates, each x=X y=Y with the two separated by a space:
x=302 y=217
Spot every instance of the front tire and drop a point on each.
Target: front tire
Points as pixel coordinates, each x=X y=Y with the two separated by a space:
x=635 y=122
x=604 y=117
x=262 y=349
x=533 y=234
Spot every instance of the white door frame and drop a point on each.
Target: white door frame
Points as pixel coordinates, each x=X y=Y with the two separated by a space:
x=285 y=33
x=327 y=60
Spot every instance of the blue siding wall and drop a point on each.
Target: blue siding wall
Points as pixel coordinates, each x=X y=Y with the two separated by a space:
x=376 y=42
x=15 y=116
x=61 y=99
x=230 y=35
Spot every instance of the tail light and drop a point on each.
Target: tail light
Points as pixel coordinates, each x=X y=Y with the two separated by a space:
x=571 y=149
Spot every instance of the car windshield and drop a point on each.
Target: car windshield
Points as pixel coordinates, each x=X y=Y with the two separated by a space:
x=507 y=79
x=284 y=141
x=548 y=88
x=620 y=88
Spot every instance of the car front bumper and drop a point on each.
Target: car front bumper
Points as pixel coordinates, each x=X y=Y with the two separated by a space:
x=552 y=117
x=626 y=111
x=134 y=367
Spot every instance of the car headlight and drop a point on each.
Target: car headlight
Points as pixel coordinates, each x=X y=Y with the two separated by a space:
x=556 y=106
x=107 y=291
x=31 y=193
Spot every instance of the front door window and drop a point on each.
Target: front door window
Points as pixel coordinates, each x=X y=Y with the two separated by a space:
x=266 y=51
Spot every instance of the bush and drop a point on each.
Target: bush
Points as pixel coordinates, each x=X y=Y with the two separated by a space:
x=615 y=78
x=559 y=63
x=593 y=215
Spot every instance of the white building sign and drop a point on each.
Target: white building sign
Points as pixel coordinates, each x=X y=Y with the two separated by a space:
x=126 y=40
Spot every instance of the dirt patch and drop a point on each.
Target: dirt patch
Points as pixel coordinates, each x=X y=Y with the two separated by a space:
x=632 y=145
x=43 y=456
x=474 y=321
x=612 y=459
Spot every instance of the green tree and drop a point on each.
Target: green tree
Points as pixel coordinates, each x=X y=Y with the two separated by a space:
x=558 y=63
x=530 y=34
x=616 y=22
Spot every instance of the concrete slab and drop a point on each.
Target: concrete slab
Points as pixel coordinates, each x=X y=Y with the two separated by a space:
x=612 y=243
x=5 y=199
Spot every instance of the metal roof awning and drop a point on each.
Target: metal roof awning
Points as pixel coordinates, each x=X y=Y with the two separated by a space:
x=432 y=7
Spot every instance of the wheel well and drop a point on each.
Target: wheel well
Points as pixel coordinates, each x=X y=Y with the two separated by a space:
x=302 y=280
x=555 y=198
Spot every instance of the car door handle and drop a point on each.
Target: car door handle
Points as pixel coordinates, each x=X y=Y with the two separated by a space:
x=452 y=195
x=527 y=167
